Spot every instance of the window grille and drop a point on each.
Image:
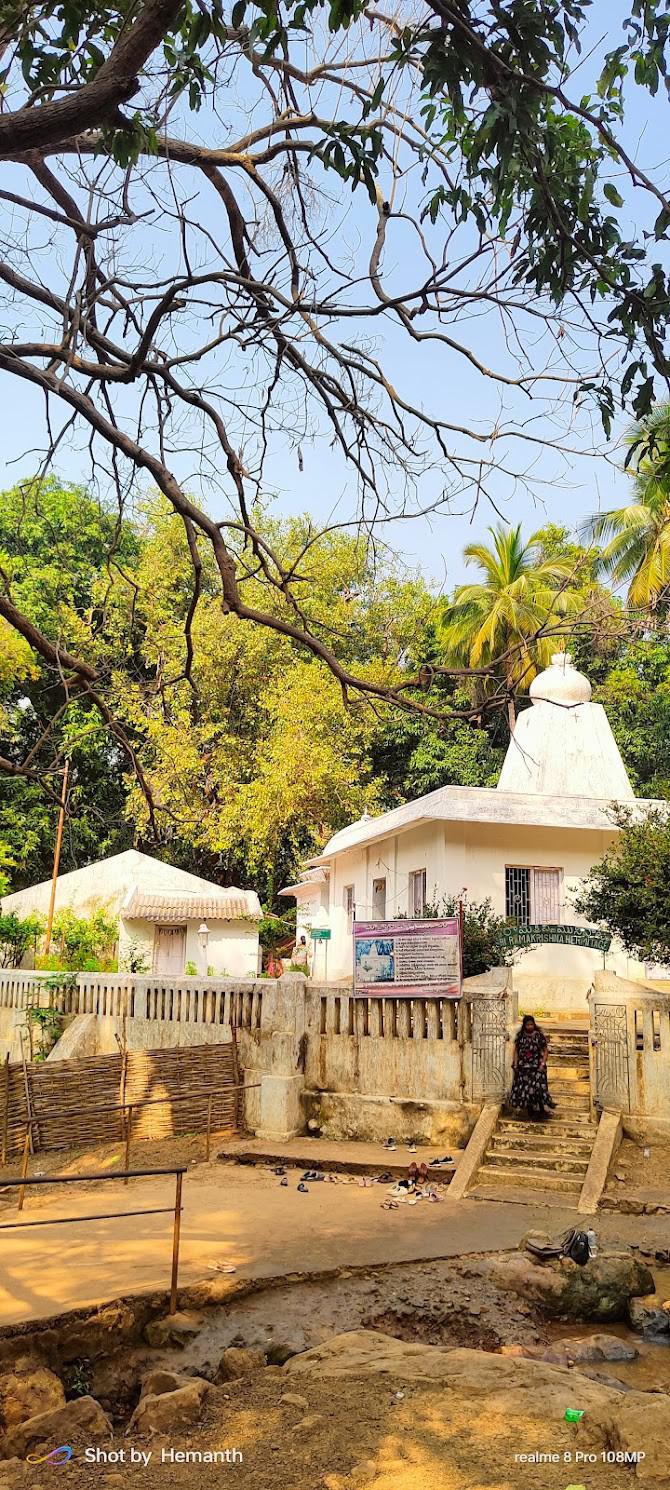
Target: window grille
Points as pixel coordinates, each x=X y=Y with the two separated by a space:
x=533 y=896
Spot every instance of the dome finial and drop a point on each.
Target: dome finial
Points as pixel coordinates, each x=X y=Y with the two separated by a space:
x=561 y=683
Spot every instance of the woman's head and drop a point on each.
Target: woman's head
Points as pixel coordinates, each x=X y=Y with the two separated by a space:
x=528 y=1024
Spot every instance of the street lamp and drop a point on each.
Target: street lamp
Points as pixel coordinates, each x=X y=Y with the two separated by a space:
x=203 y=939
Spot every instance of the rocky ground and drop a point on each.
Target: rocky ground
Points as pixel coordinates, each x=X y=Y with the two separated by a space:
x=372 y=1383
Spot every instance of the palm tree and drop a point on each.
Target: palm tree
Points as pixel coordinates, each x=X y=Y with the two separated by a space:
x=519 y=593
x=638 y=550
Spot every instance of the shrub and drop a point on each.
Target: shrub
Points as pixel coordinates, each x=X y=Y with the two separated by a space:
x=16 y=936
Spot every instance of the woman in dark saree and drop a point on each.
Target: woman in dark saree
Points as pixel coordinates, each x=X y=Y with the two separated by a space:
x=530 y=1087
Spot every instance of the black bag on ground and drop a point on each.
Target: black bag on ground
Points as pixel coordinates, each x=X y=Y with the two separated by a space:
x=575 y=1245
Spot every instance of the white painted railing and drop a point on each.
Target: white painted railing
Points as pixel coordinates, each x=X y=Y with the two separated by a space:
x=203 y=1001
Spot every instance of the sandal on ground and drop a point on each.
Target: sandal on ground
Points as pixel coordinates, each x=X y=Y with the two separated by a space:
x=284 y=1181
x=312 y=1175
x=303 y=1189
x=389 y=1205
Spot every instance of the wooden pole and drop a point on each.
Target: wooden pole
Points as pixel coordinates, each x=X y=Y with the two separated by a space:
x=59 y=841
x=175 y=1246
x=26 y=1083
x=209 y=1128
x=5 y=1113
x=129 y=1125
x=24 y=1166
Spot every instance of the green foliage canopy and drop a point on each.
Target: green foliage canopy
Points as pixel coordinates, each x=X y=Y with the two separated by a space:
x=628 y=891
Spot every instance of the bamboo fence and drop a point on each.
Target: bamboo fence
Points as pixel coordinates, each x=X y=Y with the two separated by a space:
x=48 y=1092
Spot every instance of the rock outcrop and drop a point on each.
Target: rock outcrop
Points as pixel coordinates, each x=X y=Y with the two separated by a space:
x=80 y=1420
x=29 y=1390
x=239 y=1361
x=169 y=1411
x=602 y=1289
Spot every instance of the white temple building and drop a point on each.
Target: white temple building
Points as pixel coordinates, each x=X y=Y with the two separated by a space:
x=526 y=845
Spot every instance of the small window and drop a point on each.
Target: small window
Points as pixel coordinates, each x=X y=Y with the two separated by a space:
x=533 y=896
x=349 y=905
x=417 y=892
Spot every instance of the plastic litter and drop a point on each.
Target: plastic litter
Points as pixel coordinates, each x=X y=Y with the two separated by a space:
x=574 y=1414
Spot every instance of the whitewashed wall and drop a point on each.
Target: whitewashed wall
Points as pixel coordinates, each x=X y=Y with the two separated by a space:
x=473 y=856
x=232 y=948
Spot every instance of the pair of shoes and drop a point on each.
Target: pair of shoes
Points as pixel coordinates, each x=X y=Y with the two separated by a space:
x=437 y=1163
x=389 y=1205
x=411 y=1145
x=284 y=1181
x=303 y=1189
x=389 y=1143
x=313 y=1175
x=278 y=1170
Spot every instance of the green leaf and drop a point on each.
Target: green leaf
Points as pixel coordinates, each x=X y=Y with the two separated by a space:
x=612 y=194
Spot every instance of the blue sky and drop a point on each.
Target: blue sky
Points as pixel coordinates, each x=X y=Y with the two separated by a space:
x=564 y=483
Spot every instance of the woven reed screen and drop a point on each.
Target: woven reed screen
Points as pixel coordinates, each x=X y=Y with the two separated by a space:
x=101 y=1081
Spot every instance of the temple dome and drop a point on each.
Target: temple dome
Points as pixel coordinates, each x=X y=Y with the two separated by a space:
x=561 y=683
x=564 y=746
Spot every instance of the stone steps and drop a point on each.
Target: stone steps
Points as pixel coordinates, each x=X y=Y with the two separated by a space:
x=560 y=1071
x=541 y=1143
x=579 y=1087
x=529 y=1178
x=556 y=1161
x=555 y=1129
x=552 y=1156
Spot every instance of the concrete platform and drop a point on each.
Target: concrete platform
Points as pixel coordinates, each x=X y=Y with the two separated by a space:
x=340 y=1157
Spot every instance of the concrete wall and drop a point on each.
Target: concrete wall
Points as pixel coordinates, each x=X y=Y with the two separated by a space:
x=630 y=1043
x=361 y=1068
x=473 y=856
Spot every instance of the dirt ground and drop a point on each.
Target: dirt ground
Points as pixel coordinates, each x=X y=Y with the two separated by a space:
x=640 y=1167
x=369 y=1434
x=241 y=1217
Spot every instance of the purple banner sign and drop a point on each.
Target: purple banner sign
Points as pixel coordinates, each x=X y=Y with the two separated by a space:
x=412 y=959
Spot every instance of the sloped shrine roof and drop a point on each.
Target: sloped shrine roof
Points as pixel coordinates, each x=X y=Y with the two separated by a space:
x=169 y=907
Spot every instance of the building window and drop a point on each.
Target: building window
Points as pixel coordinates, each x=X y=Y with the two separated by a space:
x=417 y=892
x=533 y=896
x=379 y=900
x=349 y=905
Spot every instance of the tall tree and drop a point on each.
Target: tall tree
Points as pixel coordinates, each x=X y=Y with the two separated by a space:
x=180 y=297
x=511 y=617
x=61 y=555
x=637 y=550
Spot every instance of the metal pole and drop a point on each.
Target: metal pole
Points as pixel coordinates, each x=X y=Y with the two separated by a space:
x=175 y=1246
x=129 y=1124
x=59 y=840
x=24 y=1166
x=209 y=1128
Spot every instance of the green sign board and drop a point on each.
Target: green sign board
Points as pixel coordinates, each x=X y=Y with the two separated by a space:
x=566 y=936
x=318 y=934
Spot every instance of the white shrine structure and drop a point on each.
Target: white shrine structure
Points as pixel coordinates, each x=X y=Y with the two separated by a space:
x=527 y=845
